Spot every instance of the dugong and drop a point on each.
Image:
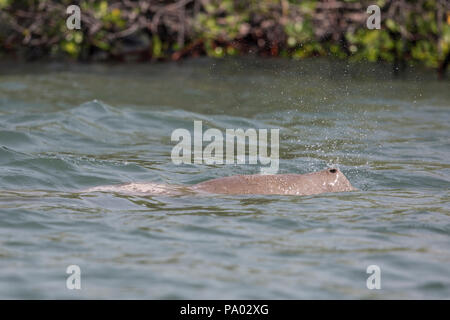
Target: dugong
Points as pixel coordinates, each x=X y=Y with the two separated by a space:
x=329 y=180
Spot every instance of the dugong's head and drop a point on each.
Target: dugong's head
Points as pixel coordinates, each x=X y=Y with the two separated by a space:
x=333 y=180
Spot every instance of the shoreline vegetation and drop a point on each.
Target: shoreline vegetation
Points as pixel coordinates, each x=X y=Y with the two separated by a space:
x=412 y=32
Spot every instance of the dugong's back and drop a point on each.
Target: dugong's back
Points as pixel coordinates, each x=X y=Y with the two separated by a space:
x=330 y=180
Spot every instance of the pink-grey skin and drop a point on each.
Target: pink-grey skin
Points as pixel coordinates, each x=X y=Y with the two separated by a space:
x=325 y=181
x=329 y=180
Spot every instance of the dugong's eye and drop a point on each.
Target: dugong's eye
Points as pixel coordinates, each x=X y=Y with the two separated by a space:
x=332 y=170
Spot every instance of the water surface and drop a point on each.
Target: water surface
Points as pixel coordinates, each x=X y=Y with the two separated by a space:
x=65 y=128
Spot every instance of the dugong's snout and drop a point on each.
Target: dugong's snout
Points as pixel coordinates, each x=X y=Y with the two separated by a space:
x=336 y=181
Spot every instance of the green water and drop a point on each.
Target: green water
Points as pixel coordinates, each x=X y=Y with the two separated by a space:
x=66 y=128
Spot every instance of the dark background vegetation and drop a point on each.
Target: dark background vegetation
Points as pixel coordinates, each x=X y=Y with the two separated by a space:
x=412 y=32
